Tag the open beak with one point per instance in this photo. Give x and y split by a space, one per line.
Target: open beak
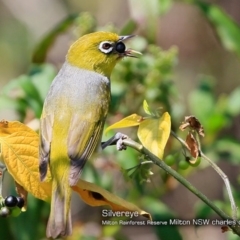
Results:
123 38
132 53
129 52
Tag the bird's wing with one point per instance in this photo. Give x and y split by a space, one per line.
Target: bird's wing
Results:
83 138
45 132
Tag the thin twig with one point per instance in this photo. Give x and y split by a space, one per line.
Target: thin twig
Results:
221 174
130 143
227 184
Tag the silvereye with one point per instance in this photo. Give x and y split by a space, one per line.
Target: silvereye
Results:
73 117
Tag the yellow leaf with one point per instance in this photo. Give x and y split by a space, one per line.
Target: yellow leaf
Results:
154 133
96 196
130 121
19 152
19 149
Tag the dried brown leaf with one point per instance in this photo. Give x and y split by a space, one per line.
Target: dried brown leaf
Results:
192 145
94 195
194 123
225 229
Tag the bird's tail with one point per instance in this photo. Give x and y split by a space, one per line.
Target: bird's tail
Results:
59 222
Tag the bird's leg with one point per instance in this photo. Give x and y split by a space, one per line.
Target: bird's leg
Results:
117 140
2 171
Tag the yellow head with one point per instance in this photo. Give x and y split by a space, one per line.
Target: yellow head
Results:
99 52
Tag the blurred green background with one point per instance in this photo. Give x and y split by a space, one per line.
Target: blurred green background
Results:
190 66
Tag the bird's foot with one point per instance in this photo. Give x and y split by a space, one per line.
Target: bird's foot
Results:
117 140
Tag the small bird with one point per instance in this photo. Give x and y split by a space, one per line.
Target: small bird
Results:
73 117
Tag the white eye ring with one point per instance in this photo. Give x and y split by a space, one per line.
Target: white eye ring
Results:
106 46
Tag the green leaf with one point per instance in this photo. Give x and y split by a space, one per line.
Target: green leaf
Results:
26 95
129 27
162 213
233 107
42 77
203 211
128 158
8 103
228 149
227 29
32 96
146 108
202 102
28 90
165 5
41 50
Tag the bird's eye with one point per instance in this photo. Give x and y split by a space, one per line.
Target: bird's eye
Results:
106 47
120 47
